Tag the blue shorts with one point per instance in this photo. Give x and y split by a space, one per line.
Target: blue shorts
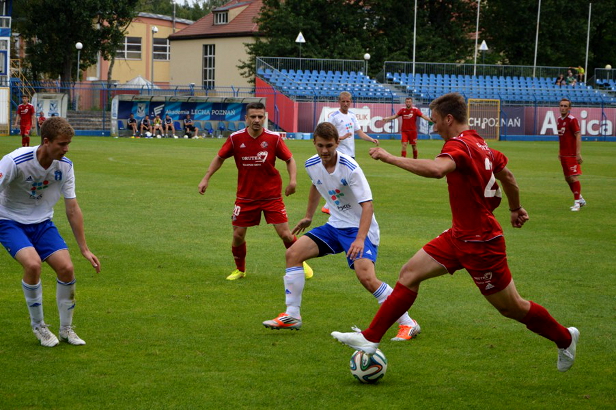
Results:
44 237
332 240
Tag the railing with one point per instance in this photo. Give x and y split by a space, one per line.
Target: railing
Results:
469 69
288 63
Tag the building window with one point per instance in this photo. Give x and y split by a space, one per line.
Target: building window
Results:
221 17
161 49
209 60
130 49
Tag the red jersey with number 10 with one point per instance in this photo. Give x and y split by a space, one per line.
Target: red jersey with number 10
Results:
409 118
473 191
26 112
255 158
567 127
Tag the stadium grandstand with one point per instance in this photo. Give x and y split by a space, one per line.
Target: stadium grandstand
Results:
307 79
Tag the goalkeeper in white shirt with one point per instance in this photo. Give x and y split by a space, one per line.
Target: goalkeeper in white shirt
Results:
32 180
351 228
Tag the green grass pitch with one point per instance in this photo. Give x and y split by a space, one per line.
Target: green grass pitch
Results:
165 330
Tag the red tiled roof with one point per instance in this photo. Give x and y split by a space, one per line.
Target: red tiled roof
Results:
242 25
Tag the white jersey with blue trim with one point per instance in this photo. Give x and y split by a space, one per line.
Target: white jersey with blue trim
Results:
344 190
28 192
345 123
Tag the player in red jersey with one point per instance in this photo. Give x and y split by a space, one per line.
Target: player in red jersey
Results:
409 125
25 119
570 151
475 242
259 184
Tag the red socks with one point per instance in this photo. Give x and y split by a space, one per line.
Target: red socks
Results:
576 188
288 244
539 320
403 154
400 300
239 254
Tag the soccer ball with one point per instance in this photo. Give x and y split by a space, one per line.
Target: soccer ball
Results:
368 369
609 66
148 134
186 136
158 136
175 136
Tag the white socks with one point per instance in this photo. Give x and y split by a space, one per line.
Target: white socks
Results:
382 293
65 298
294 281
34 300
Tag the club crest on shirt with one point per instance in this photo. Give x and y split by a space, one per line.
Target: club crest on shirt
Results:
57 175
264 144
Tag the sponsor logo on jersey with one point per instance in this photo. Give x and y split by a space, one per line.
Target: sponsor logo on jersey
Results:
1 175
319 182
242 146
29 179
38 186
260 157
344 182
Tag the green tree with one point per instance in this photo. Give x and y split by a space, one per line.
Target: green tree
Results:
562 32
51 29
384 28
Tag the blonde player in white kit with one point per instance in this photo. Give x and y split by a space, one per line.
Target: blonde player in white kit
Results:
346 123
352 228
32 180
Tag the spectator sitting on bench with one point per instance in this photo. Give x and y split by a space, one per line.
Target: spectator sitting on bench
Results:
157 125
189 128
132 124
169 126
145 125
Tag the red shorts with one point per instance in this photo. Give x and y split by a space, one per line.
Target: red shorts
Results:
25 129
486 262
570 166
410 137
248 213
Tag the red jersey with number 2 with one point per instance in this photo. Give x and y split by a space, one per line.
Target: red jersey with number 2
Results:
255 158
473 191
409 118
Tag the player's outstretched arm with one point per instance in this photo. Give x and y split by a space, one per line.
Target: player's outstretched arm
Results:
214 166
429 168
313 202
292 170
75 220
367 137
519 216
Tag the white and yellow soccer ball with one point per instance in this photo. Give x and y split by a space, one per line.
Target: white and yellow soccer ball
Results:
366 368
148 134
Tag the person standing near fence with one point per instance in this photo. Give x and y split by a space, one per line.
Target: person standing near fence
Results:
570 152
24 118
409 116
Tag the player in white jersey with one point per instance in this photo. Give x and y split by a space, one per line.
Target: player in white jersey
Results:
352 228
32 180
346 123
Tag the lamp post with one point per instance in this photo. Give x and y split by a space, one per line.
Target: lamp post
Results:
366 58
154 31
483 48
78 46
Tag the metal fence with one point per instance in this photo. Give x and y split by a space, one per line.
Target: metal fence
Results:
288 63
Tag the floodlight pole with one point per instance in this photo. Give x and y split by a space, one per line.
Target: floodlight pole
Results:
537 38
476 37
154 31
78 46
